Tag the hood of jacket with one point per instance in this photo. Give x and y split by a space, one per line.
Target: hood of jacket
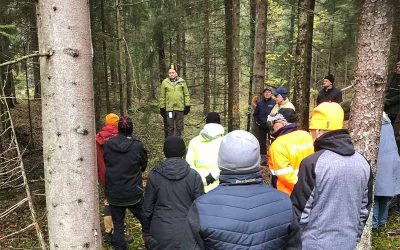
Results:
120 143
178 80
174 168
284 130
385 119
106 133
232 178
338 141
211 131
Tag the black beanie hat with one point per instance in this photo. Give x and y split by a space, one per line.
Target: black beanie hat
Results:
125 126
330 77
213 117
174 146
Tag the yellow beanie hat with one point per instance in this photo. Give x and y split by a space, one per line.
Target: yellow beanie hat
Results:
112 119
327 116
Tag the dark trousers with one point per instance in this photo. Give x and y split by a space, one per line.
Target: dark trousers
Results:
118 217
175 123
261 135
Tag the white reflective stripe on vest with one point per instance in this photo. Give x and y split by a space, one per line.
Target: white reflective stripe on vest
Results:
284 171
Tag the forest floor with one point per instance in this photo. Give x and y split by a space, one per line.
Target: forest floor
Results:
148 128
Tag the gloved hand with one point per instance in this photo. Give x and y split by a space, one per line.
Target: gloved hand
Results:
187 110
163 112
209 179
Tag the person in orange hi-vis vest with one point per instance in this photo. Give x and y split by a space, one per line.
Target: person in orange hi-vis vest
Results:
289 147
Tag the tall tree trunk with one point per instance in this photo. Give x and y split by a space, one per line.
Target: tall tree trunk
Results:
68 125
259 48
252 23
232 31
113 77
96 69
293 14
370 78
121 82
35 61
129 73
179 28
215 84
228 54
104 50
183 54
159 40
395 42
206 59
301 96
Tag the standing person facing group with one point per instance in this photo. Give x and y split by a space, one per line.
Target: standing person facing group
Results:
329 93
261 112
174 102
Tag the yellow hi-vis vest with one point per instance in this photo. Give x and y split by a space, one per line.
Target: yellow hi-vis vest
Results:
202 153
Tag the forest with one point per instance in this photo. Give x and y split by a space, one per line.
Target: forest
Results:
65 65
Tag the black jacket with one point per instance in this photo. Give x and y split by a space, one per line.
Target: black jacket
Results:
125 160
170 191
263 109
392 96
242 213
330 95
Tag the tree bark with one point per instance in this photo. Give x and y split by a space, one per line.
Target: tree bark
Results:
370 78
301 96
232 31
206 59
395 42
120 63
105 64
35 61
252 24
293 15
68 125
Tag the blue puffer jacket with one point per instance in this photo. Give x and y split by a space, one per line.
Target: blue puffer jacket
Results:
242 213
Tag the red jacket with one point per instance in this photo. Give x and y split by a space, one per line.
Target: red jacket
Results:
102 136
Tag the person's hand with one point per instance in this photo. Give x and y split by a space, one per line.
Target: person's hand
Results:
163 112
209 179
187 110
145 237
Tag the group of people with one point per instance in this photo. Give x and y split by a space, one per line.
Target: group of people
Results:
211 195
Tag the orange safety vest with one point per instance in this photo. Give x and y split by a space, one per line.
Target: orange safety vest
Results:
285 156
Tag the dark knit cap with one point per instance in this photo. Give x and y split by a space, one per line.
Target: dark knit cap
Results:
213 117
174 146
125 126
330 77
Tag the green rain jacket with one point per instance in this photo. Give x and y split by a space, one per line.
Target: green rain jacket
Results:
174 95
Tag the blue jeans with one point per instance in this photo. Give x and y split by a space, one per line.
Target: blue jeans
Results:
380 211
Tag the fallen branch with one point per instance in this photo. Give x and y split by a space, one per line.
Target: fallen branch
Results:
35 54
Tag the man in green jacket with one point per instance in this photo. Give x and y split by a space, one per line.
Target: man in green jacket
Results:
174 102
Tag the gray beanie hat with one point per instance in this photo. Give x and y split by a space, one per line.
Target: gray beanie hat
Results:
239 152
